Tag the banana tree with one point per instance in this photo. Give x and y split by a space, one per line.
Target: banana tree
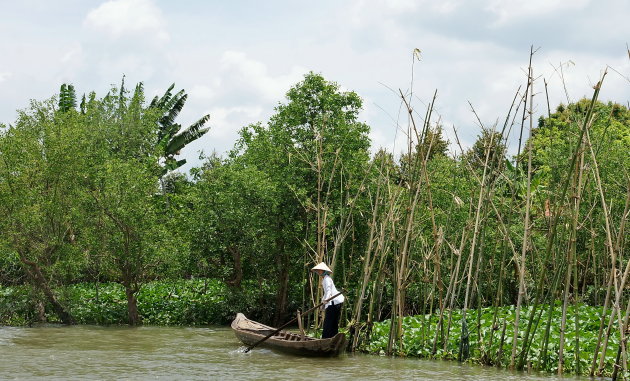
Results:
170 140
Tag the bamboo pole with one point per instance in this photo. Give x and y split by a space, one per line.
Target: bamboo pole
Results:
613 253
555 218
601 329
572 262
521 275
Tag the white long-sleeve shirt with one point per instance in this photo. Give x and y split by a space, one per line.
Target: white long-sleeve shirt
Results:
330 290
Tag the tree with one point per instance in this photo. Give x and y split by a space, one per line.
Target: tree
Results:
124 217
41 161
232 207
170 141
126 227
170 138
433 145
264 150
551 140
329 144
315 152
490 142
67 98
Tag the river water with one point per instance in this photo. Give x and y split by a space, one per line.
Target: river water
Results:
180 353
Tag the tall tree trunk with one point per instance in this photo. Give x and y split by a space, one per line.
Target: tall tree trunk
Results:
282 259
132 306
131 290
237 275
39 280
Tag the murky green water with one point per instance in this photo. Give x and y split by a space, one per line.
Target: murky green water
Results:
167 353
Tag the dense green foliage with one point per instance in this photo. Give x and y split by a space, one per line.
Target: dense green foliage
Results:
421 331
89 201
177 302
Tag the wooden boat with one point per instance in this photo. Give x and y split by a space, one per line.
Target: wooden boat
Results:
250 332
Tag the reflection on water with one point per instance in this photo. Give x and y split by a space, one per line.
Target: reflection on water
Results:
172 353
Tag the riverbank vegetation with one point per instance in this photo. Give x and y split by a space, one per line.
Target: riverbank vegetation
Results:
490 344
513 257
168 302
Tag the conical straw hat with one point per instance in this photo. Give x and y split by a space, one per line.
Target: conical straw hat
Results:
322 266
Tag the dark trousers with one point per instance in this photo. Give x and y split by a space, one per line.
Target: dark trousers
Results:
331 321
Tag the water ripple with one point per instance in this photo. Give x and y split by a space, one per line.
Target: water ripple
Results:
175 353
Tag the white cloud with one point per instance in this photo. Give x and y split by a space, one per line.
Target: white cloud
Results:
138 67
118 18
70 62
509 10
445 6
72 55
226 121
202 92
4 75
247 73
580 72
235 89
238 65
364 12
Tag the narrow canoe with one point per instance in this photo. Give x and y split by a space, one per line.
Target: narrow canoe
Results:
249 332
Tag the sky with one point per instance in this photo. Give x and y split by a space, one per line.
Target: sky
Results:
237 59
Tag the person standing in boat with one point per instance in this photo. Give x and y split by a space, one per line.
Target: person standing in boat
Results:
333 306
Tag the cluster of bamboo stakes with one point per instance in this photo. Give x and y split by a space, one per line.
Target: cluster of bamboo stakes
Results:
397 254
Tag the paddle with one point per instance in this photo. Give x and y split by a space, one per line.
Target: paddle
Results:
289 322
